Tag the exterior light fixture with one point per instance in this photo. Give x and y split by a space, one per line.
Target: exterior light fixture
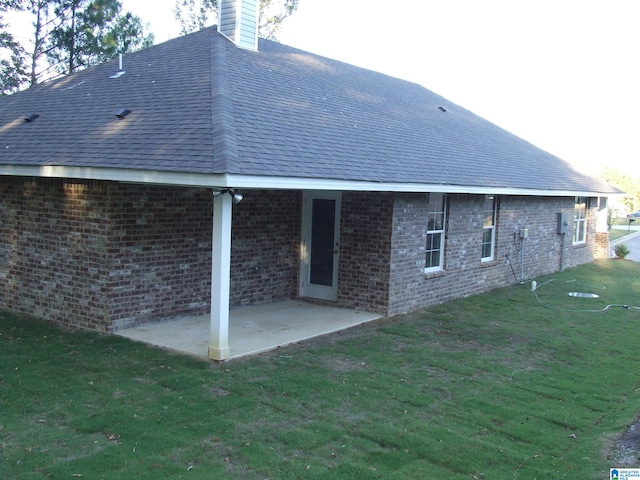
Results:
123 112
236 197
31 117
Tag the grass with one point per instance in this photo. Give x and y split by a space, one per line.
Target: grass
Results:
621 229
615 234
497 386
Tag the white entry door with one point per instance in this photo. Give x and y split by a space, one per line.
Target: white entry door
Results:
320 245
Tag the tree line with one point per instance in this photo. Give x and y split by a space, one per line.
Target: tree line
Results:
630 202
70 35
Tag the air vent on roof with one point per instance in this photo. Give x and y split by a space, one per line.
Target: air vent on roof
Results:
31 118
442 109
123 112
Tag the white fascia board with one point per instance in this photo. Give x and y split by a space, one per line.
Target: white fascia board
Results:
211 180
125 175
289 183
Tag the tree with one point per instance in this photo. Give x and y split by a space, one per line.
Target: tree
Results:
194 15
630 185
13 70
12 65
90 32
42 26
6 5
272 14
126 35
67 35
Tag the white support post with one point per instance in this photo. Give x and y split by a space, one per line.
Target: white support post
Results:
602 224
220 277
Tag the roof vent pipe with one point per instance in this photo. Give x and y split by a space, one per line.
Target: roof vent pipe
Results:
120 72
238 21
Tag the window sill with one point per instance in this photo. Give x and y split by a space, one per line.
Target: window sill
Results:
434 274
488 263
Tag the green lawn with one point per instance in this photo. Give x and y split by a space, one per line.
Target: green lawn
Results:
497 386
621 228
615 233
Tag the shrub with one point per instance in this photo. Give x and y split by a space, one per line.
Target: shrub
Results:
621 250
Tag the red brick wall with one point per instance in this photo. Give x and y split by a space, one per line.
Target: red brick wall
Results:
103 255
464 274
365 250
603 247
162 240
542 252
265 247
158 253
53 238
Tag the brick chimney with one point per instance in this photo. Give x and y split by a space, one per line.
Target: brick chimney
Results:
238 21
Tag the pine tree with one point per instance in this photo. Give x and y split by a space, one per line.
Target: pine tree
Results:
68 35
90 32
13 70
194 15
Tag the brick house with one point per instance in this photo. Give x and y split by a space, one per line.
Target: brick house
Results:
120 190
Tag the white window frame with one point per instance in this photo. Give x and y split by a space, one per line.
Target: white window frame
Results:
436 211
580 221
489 227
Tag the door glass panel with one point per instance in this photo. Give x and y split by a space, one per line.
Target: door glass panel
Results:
322 238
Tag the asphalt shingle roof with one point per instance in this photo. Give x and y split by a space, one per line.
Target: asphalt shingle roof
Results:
201 105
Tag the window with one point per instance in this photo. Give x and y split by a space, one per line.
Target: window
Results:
436 216
489 228
580 220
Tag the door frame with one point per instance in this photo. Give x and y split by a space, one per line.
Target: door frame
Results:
307 289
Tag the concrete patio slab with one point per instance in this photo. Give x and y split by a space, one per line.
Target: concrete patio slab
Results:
252 329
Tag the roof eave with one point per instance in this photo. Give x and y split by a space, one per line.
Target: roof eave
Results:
219 180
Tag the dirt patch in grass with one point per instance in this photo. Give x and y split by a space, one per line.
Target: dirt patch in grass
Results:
625 451
218 392
344 364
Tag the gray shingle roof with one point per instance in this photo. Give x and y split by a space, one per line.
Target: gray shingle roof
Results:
201 105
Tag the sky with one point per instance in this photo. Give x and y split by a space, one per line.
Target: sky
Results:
561 74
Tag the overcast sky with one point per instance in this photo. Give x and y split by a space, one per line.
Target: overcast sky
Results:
562 74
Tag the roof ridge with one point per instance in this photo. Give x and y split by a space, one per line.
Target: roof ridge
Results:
225 142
